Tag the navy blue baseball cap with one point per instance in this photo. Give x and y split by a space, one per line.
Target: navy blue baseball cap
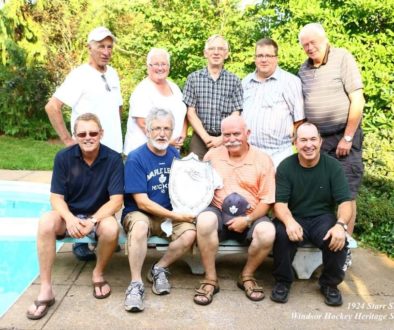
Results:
234 205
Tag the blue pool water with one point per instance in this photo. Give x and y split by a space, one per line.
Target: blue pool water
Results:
17 204
18 268
18 254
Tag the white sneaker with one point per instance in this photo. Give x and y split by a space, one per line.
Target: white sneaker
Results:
348 261
158 276
134 301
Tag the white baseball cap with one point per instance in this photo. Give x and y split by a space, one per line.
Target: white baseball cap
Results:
100 33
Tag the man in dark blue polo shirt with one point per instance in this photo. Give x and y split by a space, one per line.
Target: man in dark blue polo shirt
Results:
86 192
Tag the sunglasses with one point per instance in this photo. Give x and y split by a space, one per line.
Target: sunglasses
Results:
84 134
106 83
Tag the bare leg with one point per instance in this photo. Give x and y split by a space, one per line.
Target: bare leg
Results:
208 242
137 247
177 248
262 241
107 232
50 225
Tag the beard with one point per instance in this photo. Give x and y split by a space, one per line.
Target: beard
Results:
159 146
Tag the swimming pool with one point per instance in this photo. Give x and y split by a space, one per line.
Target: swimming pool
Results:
21 204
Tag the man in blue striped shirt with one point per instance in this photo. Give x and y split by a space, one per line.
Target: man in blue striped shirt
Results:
273 103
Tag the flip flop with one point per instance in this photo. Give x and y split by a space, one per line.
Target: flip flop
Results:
39 303
99 285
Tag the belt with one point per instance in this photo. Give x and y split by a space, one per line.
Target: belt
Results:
333 133
214 134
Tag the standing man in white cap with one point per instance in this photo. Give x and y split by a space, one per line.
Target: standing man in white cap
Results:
91 87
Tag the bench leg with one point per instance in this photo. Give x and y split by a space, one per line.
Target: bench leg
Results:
194 262
306 261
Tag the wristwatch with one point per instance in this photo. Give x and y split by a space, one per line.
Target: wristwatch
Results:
344 225
248 221
348 138
93 220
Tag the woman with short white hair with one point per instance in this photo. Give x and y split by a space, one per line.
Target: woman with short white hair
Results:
155 91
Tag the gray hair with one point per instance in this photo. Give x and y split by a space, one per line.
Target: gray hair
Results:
157 51
87 117
316 28
213 38
157 113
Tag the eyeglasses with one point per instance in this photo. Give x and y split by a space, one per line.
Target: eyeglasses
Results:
106 83
159 129
84 134
265 56
159 65
217 49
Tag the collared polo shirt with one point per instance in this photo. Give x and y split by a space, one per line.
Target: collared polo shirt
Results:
253 178
213 100
270 109
86 188
326 90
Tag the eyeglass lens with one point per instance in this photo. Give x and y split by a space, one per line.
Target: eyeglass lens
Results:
159 129
218 49
158 65
84 134
265 56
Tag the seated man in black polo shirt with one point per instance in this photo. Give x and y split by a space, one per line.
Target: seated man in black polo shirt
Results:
86 192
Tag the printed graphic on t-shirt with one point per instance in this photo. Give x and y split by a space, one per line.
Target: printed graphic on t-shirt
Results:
158 179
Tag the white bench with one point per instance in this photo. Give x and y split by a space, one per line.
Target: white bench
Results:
307 259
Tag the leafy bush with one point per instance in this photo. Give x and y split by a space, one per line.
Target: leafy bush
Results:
375 202
22 98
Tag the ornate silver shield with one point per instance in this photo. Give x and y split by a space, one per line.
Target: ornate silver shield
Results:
191 185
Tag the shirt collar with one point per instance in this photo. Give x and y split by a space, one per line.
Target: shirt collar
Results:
205 72
103 153
275 75
248 160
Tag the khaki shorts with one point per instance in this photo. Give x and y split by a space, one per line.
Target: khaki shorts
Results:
178 228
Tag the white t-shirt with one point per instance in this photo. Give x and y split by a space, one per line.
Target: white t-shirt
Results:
84 90
146 97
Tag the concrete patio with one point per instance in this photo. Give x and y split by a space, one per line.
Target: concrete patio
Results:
368 293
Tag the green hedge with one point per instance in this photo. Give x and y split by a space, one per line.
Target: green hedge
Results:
375 203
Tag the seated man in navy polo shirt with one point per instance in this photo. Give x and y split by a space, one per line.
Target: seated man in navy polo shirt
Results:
86 192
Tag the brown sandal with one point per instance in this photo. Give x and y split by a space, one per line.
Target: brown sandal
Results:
38 303
202 292
250 290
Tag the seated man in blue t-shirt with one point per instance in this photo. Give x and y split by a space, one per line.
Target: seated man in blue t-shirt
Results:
147 206
86 192
309 186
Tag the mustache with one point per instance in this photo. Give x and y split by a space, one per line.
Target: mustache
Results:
232 144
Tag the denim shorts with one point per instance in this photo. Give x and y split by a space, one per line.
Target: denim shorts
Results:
92 235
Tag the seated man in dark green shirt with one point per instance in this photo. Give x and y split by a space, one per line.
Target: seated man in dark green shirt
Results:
309 186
